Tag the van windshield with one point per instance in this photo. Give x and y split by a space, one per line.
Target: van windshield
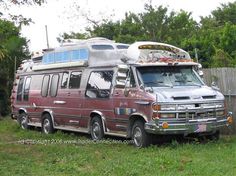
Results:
168 76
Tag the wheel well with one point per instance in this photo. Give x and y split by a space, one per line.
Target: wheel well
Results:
45 112
92 115
132 119
21 111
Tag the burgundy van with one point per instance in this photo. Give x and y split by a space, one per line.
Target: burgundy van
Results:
100 87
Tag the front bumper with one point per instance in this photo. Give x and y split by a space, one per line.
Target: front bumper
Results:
187 126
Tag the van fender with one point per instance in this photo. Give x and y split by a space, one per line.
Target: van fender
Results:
49 111
102 118
132 118
139 115
22 109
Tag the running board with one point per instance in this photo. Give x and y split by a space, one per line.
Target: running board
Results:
81 130
37 124
116 134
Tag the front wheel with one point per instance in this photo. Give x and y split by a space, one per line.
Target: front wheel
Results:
139 136
215 136
47 125
97 132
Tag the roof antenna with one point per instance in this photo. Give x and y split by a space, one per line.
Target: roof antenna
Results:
46 30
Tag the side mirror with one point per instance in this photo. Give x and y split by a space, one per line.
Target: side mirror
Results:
121 76
200 72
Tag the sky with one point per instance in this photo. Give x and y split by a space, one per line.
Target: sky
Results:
69 15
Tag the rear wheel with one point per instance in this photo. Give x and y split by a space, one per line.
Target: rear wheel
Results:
97 132
139 136
23 121
215 136
47 125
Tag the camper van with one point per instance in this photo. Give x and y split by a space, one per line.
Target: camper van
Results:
140 91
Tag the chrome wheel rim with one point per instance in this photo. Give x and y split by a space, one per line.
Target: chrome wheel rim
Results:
46 126
96 130
137 136
23 122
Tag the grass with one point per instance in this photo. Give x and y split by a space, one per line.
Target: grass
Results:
32 153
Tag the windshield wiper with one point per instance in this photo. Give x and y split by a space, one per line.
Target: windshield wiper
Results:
158 84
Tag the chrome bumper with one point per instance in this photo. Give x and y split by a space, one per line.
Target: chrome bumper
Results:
186 126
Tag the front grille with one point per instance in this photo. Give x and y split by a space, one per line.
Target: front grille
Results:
200 115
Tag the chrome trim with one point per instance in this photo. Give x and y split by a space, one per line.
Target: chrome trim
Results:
36 124
59 102
185 126
23 109
73 121
117 133
81 130
142 102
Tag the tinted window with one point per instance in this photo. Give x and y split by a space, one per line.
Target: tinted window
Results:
54 85
26 88
75 78
36 82
102 47
19 89
64 80
99 84
44 90
122 46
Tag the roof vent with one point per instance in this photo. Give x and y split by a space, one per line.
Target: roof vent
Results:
181 98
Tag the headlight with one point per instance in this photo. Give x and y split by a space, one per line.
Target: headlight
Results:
167 107
212 105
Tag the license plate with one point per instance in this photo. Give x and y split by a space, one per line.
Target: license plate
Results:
201 128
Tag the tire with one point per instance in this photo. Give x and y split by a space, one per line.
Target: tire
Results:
23 121
214 137
97 132
47 125
139 136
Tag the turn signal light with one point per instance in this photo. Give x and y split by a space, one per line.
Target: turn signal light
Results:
165 125
156 107
230 119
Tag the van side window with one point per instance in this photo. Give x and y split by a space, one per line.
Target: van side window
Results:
99 84
54 85
64 80
19 89
45 84
26 89
75 78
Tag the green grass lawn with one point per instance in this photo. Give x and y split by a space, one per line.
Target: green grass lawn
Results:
33 153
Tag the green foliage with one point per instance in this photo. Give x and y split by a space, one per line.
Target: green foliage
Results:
33 153
12 46
213 36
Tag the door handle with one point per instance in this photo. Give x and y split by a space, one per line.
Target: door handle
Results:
59 102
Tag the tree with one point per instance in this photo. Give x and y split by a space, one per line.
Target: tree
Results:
225 13
221 59
12 46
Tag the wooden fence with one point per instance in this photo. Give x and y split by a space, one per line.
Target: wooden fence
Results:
225 79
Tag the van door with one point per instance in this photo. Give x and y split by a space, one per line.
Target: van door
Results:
124 102
98 96
68 100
